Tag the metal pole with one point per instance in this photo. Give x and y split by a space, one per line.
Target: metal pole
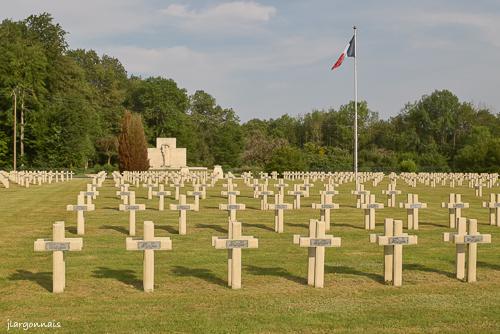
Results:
15 127
355 109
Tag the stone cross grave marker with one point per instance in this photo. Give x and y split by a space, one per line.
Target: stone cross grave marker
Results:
182 207
306 186
161 193
80 207
264 193
234 243
124 193
393 241
370 206
150 185
391 193
454 206
132 207
325 206
196 193
494 206
279 208
297 193
316 243
91 193
58 245
412 206
466 242
281 185
149 244
177 185
360 193
231 207
479 189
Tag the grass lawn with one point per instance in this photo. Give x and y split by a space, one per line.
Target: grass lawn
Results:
104 281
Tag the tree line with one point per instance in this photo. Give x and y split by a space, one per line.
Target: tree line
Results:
73 104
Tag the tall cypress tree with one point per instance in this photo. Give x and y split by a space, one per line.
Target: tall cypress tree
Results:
132 150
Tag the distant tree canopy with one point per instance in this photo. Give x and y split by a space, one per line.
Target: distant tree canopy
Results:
71 103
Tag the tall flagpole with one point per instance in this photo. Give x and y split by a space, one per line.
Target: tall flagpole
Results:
355 110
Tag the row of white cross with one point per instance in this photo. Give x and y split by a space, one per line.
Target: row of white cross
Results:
393 238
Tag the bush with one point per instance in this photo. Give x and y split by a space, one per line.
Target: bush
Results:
408 166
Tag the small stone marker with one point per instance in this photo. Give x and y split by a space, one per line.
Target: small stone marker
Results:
58 245
316 243
80 207
132 207
494 206
393 241
297 193
466 242
306 186
149 244
369 206
234 243
124 193
325 206
161 193
278 208
150 187
182 207
412 207
177 185
455 207
391 193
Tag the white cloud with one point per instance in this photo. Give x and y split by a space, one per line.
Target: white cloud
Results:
235 15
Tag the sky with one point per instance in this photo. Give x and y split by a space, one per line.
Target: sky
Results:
269 58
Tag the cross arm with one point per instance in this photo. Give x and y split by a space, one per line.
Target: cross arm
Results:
69 244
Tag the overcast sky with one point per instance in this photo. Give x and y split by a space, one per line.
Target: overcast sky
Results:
268 58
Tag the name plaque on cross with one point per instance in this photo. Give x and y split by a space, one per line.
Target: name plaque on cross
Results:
233 207
124 193
266 193
236 244
331 192
297 192
80 208
233 193
280 206
472 239
183 207
133 207
162 193
327 206
373 206
89 193
392 192
143 245
320 242
398 240
415 206
496 205
459 206
197 193
56 246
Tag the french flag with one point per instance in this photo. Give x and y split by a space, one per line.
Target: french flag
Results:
349 51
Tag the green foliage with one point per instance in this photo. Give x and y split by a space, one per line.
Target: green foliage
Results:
70 104
408 166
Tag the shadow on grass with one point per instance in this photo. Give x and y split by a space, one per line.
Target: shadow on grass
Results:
71 229
420 267
348 225
261 226
275 271
214 227
201 273
120 229
211 207
432 224
125 276
253 208
44 279
488 265
167 228
351 271
114 208
297 225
